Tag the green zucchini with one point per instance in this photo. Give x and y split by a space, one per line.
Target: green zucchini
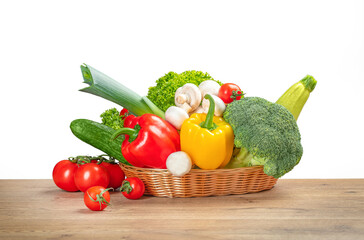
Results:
296 96
98 136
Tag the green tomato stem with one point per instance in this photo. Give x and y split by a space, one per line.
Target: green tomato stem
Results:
126 187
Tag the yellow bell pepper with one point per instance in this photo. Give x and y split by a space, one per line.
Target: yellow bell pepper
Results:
207 139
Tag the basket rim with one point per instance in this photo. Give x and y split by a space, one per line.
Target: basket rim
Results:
195 170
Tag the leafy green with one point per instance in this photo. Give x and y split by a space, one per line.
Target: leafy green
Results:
162 95
112 118
266 133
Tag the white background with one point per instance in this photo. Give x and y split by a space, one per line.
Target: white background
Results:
263 46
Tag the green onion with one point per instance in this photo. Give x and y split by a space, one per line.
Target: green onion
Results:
103 86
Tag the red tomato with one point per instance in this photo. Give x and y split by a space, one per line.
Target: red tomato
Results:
63 175
89 175
116 175
96 198
229 92
133 188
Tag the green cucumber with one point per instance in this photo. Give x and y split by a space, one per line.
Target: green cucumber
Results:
98 136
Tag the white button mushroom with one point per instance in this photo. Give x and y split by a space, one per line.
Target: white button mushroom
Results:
179 163
209 86
176 116
188 97
219 105
198 110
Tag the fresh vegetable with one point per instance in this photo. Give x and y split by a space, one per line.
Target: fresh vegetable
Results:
266 133
176 116
188 97
296 96
162 95
128 120
179 163
127 117
112 118
89 175
63 175
97 198
230 92
219 106
106 87
149 141
198 110
133 188
207 139
98 135
124 113
116 174
209 87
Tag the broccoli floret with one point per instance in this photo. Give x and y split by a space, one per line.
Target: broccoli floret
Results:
266 133
112 118
162 95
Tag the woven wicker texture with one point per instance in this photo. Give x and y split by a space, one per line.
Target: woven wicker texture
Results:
202 183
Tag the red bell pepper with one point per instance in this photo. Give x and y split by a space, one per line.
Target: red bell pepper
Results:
128 120
127 117
149 141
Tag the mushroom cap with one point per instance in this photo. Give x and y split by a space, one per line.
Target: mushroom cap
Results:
176 116
219 105
198 110
188 97
179 163
209 86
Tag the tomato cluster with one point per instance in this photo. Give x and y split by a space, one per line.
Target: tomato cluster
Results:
83 172
95 178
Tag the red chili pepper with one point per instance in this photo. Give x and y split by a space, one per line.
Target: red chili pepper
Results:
149 141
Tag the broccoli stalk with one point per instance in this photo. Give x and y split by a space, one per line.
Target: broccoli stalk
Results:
240 158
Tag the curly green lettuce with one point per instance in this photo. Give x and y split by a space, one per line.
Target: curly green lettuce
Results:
112 118
162 95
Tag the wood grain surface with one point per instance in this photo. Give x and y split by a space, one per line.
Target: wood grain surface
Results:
293 209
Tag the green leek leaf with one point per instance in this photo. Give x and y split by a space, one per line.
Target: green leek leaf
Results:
103 86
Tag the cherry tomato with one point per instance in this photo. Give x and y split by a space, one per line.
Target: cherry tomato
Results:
63 175
133 188
229 92
89 175
116 175
96 198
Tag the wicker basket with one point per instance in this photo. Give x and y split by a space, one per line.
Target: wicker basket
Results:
202 183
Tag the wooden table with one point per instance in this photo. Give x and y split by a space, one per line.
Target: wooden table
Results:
293 209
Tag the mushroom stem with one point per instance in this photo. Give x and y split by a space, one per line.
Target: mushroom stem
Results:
181 99
186 107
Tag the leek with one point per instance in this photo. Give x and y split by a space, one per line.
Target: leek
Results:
103 86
